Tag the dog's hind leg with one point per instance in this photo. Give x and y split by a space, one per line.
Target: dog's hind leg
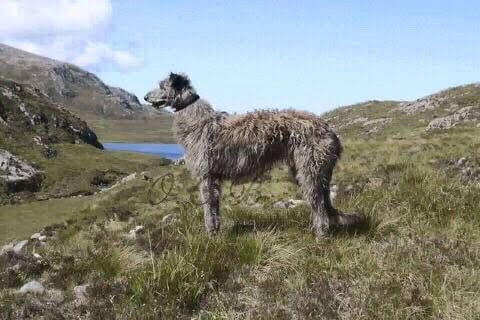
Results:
210 192
313 193
336 217
312 185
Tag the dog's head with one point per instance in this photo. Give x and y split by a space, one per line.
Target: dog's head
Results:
174 91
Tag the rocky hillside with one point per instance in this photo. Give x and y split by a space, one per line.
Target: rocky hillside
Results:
454 107
30 121
29 118
82 91
106 109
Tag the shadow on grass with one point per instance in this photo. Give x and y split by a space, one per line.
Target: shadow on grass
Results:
365 227
249 221
291 219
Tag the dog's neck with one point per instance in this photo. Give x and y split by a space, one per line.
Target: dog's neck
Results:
190 122
184 100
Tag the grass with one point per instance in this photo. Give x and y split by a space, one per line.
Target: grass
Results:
417 258
23 220
82 170
157 130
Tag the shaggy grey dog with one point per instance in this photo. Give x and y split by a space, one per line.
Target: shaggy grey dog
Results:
218 147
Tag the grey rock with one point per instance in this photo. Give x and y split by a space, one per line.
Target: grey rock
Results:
420 105
18 248
80 293
6 248
34 287
35 236
450 121
18 174
287 204
125 99
135 232
169 218
461 161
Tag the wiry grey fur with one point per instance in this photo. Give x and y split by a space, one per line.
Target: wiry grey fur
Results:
219 146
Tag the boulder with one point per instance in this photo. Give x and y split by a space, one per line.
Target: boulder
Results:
35 236
18 248
80 293
135 232
34 287
18 174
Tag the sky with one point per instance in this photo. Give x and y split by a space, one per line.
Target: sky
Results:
245 55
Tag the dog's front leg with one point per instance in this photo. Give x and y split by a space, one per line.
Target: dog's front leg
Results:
210 192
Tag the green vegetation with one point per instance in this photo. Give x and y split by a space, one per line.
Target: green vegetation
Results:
158 130
418 257
22 220
81 169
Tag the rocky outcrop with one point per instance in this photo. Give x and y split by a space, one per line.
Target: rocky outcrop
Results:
17 174
29 116
450 121
126 99
420 105
68 85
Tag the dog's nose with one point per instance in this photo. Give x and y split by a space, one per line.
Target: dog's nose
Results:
147 96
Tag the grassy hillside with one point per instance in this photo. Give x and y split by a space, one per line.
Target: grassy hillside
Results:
417 258
157 130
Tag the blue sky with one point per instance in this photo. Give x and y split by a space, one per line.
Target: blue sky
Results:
313 55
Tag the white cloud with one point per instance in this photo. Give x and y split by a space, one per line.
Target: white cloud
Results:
27 17
66 30
58 47
96 53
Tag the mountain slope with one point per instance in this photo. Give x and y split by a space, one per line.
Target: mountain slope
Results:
86 95
29 118
454 107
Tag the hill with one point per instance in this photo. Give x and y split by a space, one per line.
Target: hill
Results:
48 152
139 250
454 107
112 112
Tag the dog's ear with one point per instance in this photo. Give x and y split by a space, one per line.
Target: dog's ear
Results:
179 81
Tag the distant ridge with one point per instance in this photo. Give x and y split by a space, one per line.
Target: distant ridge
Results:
84 94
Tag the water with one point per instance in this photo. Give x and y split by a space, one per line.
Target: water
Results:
169 151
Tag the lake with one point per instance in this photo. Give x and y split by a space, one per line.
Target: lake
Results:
169 151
